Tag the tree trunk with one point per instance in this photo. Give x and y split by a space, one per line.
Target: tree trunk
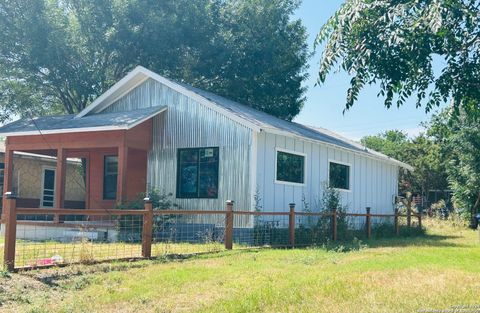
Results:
474 211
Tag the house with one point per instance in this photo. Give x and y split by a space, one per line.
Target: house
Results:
148 131
33 180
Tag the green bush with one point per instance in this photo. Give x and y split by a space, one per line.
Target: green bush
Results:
130 226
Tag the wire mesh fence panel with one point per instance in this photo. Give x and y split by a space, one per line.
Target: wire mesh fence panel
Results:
383 227
351 226
180 233
266 230
313 229
81 239
62 236
406 230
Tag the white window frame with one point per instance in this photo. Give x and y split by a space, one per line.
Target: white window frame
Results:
281 182
349 174
52 168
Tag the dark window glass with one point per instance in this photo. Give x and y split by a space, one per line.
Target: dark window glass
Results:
339 176
48 188
110 172
290 167
2 173
197 175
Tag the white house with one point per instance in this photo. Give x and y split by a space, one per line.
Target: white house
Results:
205 149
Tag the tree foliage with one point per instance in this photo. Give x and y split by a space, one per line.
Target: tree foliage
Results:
395 43
57 56
459 138
422 152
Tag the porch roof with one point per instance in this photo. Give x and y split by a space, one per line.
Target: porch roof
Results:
68 123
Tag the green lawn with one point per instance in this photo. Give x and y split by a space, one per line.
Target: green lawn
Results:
437 271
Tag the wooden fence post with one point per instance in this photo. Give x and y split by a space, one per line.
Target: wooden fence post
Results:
420 220
229 226
369 223
10 211
397 227
147 230
409 210
291 225
334 224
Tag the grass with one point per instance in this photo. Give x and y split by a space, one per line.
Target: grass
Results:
435 271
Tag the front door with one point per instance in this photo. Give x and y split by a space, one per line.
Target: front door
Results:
48 188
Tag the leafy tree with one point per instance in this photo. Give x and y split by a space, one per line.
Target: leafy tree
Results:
460 141
57 56
422 152
395 43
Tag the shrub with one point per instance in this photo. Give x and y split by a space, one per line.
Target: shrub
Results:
130 226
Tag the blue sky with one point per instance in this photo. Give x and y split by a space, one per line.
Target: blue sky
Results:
324 106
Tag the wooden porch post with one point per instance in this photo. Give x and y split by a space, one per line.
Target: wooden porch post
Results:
8 175
122 173
10 208
60 182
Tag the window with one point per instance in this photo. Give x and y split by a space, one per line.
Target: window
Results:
197 175
339 176
110 172
290 167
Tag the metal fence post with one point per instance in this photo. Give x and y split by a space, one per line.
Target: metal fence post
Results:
147 230
397 228
10 211
291 225
369 223
334 224
229 225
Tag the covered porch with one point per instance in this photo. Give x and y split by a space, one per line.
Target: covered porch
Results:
113 151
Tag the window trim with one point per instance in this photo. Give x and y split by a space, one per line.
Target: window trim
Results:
349 174
105 156
177 183
281 182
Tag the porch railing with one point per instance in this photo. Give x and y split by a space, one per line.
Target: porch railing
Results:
99 235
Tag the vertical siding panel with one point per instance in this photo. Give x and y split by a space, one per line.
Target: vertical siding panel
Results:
288 190
323 164
187 123
357 192
308 189
261 148
315 174
279 199
269 168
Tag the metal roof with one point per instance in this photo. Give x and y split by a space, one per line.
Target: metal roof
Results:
273 124
91 118
68 123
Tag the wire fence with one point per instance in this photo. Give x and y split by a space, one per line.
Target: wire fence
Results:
31 238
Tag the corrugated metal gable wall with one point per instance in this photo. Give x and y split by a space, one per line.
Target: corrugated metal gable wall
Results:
187 123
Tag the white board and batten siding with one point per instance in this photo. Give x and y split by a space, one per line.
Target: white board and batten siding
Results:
373 183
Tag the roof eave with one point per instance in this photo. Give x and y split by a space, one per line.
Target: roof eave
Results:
290 134
64 131
142 74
